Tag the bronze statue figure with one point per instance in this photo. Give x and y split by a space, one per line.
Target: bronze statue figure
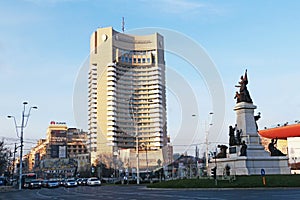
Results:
222 153
243 95
238 137
273 150
243 151
231 136
234 139
256 118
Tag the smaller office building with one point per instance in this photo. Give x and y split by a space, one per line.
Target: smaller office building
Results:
63 152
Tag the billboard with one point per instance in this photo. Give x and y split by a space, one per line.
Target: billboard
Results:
58 151
36 159
54 151
62 152
58 137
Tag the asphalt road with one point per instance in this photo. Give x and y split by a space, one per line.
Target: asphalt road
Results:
133 192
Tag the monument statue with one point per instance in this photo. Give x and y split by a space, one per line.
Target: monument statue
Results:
243 95
223 149
234 139
238 136
273 150
231 136
243 151
256 118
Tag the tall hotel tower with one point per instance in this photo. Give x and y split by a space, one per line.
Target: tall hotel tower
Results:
127 98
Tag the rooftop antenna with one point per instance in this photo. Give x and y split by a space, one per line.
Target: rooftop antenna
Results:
123 24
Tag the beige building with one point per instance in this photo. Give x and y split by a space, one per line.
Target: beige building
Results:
63 150
127 96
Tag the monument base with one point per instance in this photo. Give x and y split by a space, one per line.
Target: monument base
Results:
246 127
257 157
252 165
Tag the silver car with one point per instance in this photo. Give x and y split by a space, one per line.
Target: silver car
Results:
52 184
93 181
70 183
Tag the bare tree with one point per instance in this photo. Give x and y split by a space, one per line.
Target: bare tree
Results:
5 155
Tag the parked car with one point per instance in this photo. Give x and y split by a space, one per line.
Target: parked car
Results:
35 183
93 181
2 180
61 182
45 183
70 183
81 181
52 184
84 181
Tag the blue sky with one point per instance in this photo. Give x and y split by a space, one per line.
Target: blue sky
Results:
43 44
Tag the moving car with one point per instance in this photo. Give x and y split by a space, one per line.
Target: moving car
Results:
93 181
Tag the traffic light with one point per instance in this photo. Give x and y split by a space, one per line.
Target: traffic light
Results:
214 172
93 168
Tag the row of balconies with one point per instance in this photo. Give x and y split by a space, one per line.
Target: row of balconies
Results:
137 81
132 88
133 74
92 75
92 108
111 83
111 69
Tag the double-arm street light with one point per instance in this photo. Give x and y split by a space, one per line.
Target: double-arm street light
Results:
207 126
134 112
22 126
207 133
136 125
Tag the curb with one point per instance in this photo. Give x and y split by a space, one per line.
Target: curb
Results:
7 188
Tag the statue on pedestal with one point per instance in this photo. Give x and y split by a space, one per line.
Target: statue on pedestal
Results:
231 136
243 151
223 151
256 118
273 150
243 95
234 139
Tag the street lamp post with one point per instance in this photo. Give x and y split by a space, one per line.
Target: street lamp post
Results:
206 137
137 155
135 120
206 142
23 125
145 147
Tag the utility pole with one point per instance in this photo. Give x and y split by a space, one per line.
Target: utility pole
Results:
14 159
23 125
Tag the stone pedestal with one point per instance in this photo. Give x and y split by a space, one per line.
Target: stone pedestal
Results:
257 158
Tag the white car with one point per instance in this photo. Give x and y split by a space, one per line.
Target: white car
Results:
52 184
93 181
70 183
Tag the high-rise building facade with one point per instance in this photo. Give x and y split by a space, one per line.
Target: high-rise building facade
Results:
127 95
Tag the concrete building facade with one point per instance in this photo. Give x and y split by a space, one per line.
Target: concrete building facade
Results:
127 96
63 152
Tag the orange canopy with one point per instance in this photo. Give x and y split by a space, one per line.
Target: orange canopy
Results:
281 132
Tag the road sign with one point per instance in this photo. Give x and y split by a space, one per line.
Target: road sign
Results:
262 172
